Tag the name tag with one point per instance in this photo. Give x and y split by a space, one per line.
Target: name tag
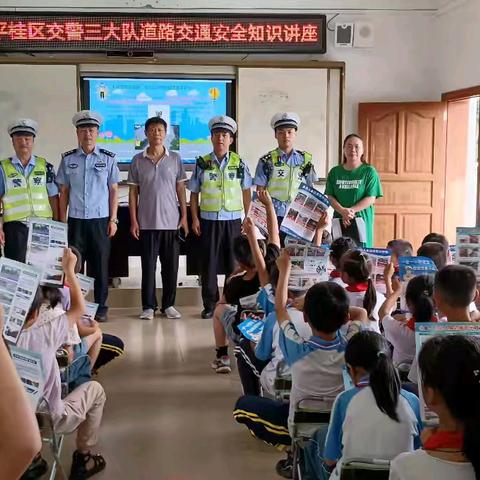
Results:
100 165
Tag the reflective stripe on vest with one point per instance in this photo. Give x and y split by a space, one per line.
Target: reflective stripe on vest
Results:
221 190
25 197
285 180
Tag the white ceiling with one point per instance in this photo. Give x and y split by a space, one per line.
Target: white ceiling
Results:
251 6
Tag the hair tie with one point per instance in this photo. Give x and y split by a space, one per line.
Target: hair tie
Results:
381 353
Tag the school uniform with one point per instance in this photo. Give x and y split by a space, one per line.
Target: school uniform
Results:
88 178
356 294
402 336
419 465
316 366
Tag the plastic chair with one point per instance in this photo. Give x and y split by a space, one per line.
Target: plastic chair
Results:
365 469
306 421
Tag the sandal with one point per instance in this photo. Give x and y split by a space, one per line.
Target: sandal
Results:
37 469
80 461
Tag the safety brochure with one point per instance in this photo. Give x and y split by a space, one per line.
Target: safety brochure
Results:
424 331
18 286
304 213
380 258
90 311
468 248
258 214
252 329
46 242
410 267
86 283
29 368
309 265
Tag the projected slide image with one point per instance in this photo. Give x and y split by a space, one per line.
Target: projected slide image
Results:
186 106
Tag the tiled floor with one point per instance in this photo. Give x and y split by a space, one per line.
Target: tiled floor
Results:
168 415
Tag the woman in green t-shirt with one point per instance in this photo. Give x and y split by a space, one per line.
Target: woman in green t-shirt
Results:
352 189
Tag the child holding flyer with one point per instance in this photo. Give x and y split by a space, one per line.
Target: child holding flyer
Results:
450 367
45 332
356 268
399 330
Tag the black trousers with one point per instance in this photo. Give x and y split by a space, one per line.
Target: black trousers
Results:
90 237
112 347
163 244
249 367
217 255
283 235
16 237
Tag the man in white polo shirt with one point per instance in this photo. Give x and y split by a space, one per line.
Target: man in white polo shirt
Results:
157 189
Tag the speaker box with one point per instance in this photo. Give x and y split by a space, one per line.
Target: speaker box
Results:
364 35
344 34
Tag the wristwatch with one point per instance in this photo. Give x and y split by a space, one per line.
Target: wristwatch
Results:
114 220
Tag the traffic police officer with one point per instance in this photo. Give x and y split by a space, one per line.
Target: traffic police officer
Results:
88 179
282 170
223 181
27 189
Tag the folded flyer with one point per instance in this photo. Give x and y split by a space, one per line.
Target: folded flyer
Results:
47 240
380 258
29 368
252 329
304 212
309 266
258 214
468 248
410 267
18 287
425 331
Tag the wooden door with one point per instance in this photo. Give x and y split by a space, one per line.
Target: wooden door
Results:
406 143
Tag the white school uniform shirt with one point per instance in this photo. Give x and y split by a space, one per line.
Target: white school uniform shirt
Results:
401 337
316 366
359 429
356 300
419 465
269 347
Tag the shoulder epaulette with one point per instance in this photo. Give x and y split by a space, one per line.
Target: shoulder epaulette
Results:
106 152
69 152
266 157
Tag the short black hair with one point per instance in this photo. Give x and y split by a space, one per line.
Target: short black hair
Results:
155 121
242 251
340 246
436 237
400 247
326 306
456 284
436 251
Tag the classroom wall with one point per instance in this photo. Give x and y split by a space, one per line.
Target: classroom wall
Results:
457 49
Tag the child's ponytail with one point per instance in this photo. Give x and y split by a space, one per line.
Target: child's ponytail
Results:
418 296
370 351
370 298
450 365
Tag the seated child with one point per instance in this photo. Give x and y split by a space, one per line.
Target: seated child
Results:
436 251
45 331
338 247
316 363
238 291
455 288
356 268
399 330
450 367
375 419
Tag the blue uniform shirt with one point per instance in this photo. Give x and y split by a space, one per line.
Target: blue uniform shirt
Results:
52 188
293 160
195 184
88 177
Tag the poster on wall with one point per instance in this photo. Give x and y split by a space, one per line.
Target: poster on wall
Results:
186 105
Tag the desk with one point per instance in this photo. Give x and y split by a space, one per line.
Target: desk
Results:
124 246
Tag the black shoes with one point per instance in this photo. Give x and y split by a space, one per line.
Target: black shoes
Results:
207 313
